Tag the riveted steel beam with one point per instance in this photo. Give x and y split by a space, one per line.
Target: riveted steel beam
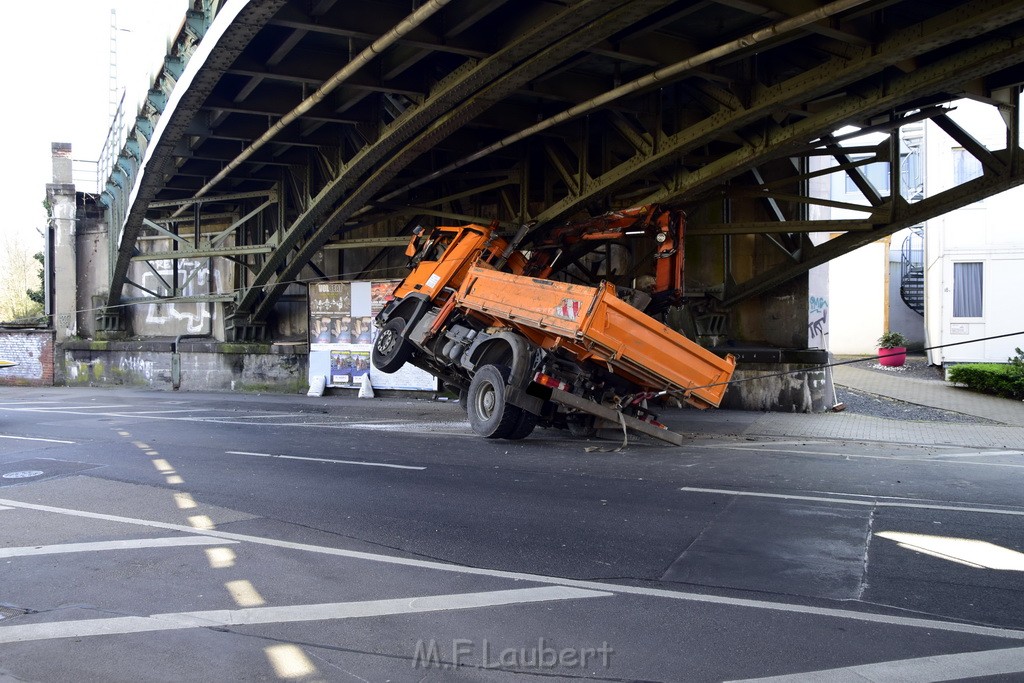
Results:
969 20
465 94
203 252
173 124
906 215
886 92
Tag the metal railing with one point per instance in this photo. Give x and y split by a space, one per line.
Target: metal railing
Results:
912 270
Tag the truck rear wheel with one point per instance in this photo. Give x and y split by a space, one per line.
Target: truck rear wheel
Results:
525 426
490 415
391 350
581 425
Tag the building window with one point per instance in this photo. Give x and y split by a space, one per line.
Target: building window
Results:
967 290
876 173
965 166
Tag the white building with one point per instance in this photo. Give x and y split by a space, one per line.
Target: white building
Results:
974 256
972 259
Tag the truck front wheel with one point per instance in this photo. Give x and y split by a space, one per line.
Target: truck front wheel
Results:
490 415
391 350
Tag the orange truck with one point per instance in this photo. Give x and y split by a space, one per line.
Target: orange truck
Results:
524 349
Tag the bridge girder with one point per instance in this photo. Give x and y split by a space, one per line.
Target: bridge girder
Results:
450 123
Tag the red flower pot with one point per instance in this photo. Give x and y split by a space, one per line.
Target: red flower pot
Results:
894 357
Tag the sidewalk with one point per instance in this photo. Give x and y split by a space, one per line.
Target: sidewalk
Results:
854 427
926 392
932 393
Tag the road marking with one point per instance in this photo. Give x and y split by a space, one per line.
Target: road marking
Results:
244 593
926 460
920 670
202 522
34 438
337 462
289 661
184 501
220 558
829 612
759 444
81 628
88 407
967 551
165 412
25 403
874 502
979 454
310 423
132 544
3 507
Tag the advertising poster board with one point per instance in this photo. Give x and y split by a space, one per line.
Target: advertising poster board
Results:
341 336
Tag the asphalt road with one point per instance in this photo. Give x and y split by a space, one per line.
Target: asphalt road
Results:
158 536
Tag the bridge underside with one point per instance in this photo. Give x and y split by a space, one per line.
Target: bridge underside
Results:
301 149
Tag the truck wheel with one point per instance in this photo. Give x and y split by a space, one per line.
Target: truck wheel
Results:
490 415
581 425
527 423
390 351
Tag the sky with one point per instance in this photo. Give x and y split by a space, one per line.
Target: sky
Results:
56 85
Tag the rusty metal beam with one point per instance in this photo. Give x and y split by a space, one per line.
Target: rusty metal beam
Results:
465 94
966 21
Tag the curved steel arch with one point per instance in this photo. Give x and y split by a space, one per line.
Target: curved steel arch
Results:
580 25
231 31
705 126
967 21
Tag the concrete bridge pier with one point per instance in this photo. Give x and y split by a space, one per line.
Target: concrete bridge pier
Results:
61 240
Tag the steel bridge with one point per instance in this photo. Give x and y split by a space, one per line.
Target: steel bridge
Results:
296 140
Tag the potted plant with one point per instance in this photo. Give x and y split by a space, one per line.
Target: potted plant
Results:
892 349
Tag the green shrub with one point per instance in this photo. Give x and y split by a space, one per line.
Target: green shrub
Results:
1017 364
893 340
991 378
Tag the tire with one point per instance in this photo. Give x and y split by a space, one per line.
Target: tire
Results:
490 415
581 425
391 350
524 427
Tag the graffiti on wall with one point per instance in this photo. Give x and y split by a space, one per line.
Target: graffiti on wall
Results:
25 350
817 322
191 318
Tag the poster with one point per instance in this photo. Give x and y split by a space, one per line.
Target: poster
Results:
341 336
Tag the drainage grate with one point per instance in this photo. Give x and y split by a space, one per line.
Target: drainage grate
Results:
8 612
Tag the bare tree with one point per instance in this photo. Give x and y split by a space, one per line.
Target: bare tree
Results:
19 273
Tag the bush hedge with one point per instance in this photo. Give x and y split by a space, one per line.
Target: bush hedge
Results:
992 378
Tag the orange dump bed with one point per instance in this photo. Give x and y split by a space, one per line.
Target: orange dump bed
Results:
594 324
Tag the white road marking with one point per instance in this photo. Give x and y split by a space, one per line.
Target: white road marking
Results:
165 412
460 428
875 502
311 422
25 403
81 628
63 408
919 670
925 460
3 507
34 438
760 444
132 544
829 612
337 462
979 454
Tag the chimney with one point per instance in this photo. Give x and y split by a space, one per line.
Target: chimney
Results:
61 154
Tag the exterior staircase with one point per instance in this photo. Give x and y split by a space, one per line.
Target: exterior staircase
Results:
912 270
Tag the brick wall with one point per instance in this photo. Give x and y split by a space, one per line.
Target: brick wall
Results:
32 350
